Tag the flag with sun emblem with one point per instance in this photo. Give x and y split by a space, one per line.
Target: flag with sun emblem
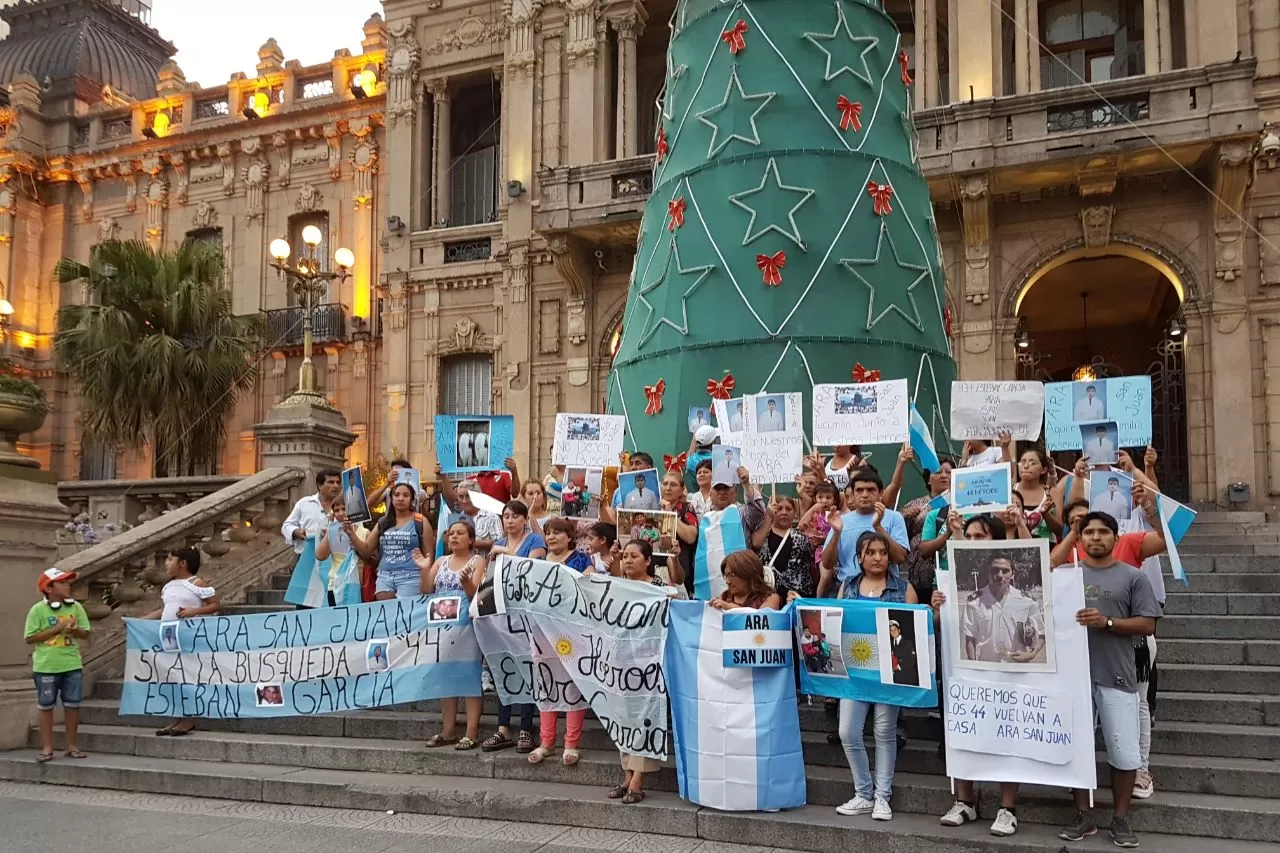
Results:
871 651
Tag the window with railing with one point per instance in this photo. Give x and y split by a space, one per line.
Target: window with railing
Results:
474 139
328 324
466 384
320 87
1090 41
297 224
212 108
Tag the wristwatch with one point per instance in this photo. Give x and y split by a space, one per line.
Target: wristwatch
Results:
1111 623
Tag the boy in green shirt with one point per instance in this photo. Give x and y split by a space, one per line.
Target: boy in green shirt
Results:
55 626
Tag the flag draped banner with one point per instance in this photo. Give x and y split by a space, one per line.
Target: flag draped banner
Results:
737 737
300 663
720 533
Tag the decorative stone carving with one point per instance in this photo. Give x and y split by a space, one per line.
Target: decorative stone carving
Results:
256 176
1233 173
284 151
977 335
569 258
580 38
206 216
1095 222
577 326
178 162
157 202
396 310
975 202
333 136
85 181
397 396
309 199
578 371
518 272
125 170
108 230
8 210
470 33
364 159
403 56
228 169
465 331
359 359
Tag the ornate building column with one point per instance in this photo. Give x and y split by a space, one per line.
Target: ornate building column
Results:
442 150
1026 47
926 88
975 61
404 141
628 27
583 112
978 353
604 90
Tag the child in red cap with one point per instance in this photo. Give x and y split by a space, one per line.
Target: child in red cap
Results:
55 626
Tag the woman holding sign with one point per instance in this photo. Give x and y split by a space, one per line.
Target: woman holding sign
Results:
875 582
397 535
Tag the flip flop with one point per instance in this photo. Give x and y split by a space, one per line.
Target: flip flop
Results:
44 757
75 753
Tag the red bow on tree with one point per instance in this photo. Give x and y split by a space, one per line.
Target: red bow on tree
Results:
771 266
676 210
736 37
946 318
721 389
653 393
850 113
881 193
861 374
903 59
676 463
662 146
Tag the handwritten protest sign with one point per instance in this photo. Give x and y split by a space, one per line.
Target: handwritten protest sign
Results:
1125 400
861 413
589 441
1000 719
609 633
773 437
302 662
983 409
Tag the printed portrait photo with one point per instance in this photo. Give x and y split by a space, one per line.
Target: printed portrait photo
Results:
584 429
269 695
1100 442
353 496
818 633
580 493
902 638
725 461
1005 605
771 413
444 609
734 408
472 447
1111 492
1089 400
699 416
169 636
658 528
856 400
377 654
639 489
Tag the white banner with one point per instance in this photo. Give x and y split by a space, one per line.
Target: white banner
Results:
773 437
860 413
1000 719
588 441
983 409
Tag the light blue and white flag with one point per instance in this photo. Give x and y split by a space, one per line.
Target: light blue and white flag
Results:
922 441
737 734
1175 520
870 651
720 533
757 638
346 583
303 662
442 527
309 583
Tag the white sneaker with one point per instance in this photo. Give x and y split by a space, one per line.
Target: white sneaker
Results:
858 805
960 814
1006 823
882 810
1144 786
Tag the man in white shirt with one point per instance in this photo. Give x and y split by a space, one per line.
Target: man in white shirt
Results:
1113 502
1100 450
699 420
1000 623
1091 408
771 420
735 418
641 498
311 514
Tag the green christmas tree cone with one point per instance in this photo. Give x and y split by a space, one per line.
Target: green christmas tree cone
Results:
790 234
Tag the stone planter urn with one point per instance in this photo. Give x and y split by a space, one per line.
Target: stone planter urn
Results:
156 576
96 610
19 415
127 592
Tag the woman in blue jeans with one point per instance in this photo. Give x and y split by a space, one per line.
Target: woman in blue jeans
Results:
395 537
877 581
521 540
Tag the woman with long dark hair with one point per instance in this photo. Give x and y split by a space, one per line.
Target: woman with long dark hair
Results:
745 585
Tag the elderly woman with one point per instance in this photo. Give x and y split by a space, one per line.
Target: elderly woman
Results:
787 551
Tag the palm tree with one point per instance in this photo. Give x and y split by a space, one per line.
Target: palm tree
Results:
157 354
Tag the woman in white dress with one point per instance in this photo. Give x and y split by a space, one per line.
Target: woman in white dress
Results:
185 596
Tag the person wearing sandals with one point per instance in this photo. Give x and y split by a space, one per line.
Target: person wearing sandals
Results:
184 596
637 566
559 533
460 570
518 540
394 539
55 626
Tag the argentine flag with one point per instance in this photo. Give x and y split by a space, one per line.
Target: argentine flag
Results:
1175 520
309 582
720 533
346 584
737 731
922 441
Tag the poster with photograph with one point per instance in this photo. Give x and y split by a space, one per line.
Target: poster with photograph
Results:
444 608
1122 400
725 461
1099 442
411 477
169 636
699 416
353 497
983 409
982 488
905 650
1111 492
773 437
588 441
860 413
730 419
818 630
639 490
656 527
1005 605
580 493
467 444
268 696
377 656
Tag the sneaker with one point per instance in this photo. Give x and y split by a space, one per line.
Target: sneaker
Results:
1144 786
1121 834
960 814
882 810
1006 823
858 805
1080 828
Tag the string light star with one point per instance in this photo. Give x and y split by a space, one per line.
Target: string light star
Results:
842 26
921 272
698 274
735 83
801 194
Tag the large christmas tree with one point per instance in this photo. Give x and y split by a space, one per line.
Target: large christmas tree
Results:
790 235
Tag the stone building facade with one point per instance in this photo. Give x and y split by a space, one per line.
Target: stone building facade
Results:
1106 175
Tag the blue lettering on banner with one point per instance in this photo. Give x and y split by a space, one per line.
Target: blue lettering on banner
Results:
1126 399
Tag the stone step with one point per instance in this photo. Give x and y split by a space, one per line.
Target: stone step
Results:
1220 628
265 596
1213 515
1203 563
1230 604
1262 549
575 796
1237 709
1213 653
1231 582
1198 678
1229 540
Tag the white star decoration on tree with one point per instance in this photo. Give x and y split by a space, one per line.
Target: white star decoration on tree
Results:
922 273
842 25
770 210
650 327
718 143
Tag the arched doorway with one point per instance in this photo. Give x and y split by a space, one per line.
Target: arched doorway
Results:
1091 315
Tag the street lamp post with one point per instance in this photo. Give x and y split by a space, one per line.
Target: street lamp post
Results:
309 281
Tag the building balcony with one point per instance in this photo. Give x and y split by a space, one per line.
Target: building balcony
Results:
284 325
600 202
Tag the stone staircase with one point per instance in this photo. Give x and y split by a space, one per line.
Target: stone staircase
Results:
1215 754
